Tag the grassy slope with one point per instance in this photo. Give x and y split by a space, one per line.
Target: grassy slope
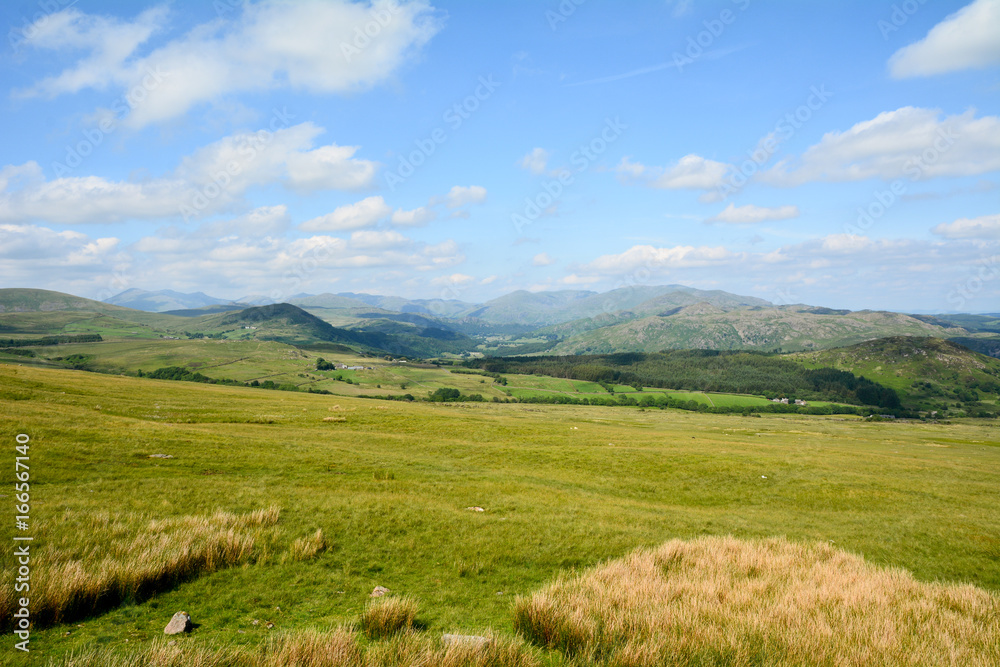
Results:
919 496
698 327
906 363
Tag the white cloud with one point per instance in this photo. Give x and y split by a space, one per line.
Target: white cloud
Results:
691 172
969 38
413 218
453 279
92 199
650 257
284 155
751 214
535 161
461 195
110 43
542 259
365 213
275 44
910 142
329 168
573 279
370 239
488 279
19 174
983 227
214 178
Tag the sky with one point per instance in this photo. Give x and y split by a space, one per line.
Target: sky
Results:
837 153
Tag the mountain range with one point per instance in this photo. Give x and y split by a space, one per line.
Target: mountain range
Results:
636 319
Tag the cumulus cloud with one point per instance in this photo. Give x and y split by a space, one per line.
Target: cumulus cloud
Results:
647 256
966 39
414 217
310 45
983 227
910 142
212 179
365 213
535 161
750 214
461 195
453 279
691 172
542 259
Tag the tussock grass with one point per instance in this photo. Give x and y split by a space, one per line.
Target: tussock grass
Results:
307 548
135 557
309 648
724 601
387 616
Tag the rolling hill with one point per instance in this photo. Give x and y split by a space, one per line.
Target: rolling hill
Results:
707 326
929 373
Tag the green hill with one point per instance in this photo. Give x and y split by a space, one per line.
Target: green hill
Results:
928 373
788 328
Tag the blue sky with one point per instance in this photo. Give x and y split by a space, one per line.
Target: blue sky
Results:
844 154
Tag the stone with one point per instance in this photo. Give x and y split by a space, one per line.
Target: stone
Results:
473 640
475 509
161 456
379 592
180 622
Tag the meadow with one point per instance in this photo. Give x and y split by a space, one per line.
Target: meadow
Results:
372 493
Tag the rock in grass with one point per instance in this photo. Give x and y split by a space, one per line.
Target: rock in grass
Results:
161 456
472 640
180 622
379 592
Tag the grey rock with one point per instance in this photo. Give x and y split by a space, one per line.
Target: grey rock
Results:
180 622
379 592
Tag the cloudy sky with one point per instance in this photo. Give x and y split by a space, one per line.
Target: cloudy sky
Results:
841 153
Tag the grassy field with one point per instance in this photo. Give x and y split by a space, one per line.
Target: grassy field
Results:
390 484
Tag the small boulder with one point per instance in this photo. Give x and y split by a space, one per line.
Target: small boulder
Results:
475 509
180 622
379 592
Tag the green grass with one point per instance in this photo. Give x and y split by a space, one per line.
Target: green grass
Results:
389 486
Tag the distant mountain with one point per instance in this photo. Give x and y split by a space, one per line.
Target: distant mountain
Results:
17 300
327 300
434 307
264 300
706 326
591 309
928 373
163 300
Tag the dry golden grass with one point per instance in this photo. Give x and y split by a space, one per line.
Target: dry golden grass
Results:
135 557
307 548
387 616
309 648
724 601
